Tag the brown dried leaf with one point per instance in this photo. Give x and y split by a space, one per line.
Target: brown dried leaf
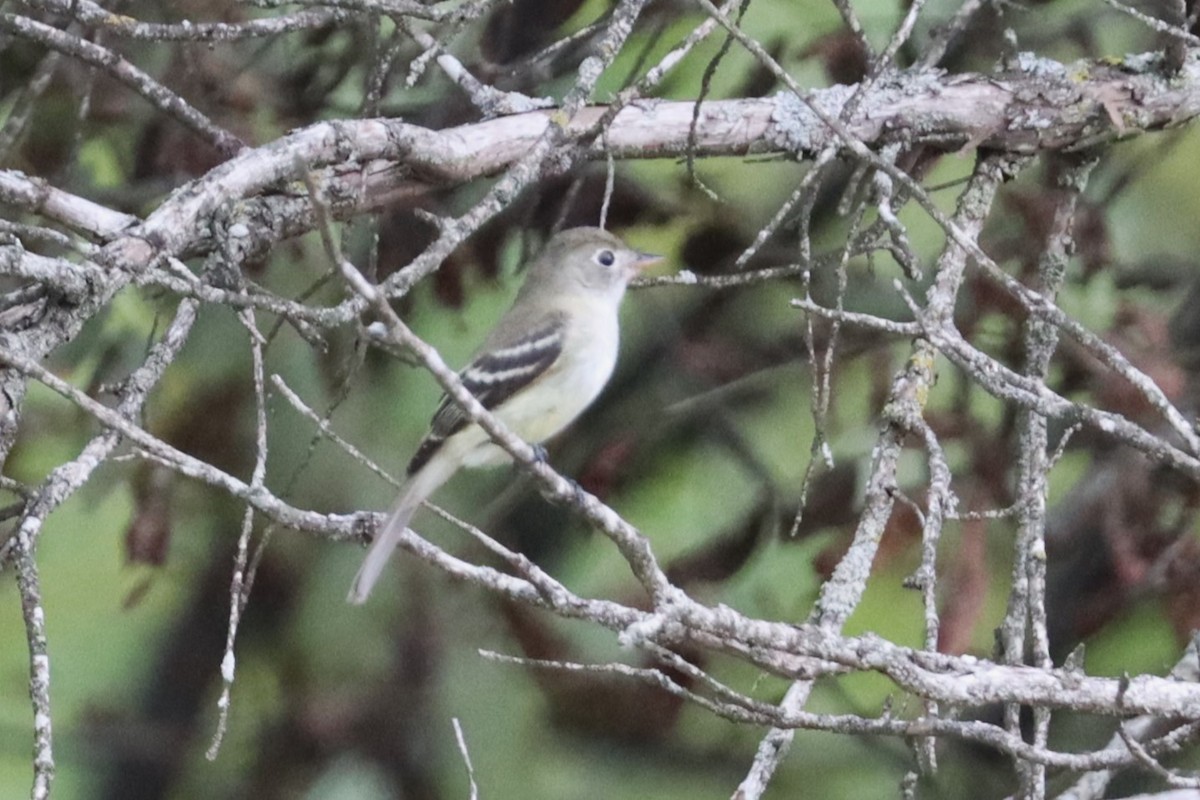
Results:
964 590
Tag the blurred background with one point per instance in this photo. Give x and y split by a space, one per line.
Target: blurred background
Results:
702 439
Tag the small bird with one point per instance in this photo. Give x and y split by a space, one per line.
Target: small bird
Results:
544 363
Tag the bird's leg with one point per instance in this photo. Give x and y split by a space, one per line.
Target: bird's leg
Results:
539 454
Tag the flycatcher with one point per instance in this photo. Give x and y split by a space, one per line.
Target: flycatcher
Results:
544 363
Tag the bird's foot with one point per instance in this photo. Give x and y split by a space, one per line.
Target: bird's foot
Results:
575 495
571 495
579 495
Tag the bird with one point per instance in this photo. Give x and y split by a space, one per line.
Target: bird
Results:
545 361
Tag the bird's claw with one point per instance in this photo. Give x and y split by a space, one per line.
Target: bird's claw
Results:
572 495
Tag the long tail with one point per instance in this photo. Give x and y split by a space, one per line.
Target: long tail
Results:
424 483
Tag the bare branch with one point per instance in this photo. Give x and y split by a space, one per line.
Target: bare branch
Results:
158 95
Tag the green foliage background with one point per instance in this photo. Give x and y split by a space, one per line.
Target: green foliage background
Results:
309 663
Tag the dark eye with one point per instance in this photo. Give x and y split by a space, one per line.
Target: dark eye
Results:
605 258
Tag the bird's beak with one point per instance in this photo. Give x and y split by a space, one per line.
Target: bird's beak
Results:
646 260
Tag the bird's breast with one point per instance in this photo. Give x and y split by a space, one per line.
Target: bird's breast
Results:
570 384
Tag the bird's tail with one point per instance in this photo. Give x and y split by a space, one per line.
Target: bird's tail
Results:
422 484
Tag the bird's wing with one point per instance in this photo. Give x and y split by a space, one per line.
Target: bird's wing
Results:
494 375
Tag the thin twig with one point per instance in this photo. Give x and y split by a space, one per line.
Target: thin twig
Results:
466 757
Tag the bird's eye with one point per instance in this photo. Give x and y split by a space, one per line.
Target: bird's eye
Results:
605 258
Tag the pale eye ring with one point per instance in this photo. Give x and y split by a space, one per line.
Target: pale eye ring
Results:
605 258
